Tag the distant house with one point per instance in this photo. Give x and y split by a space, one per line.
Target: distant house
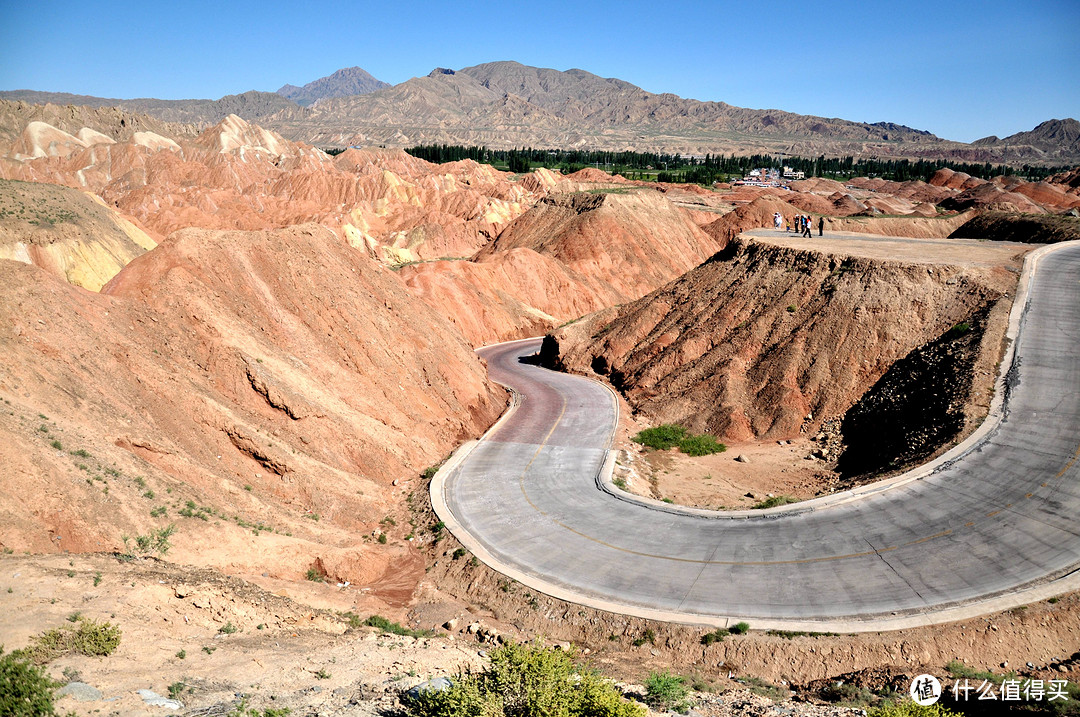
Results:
790 173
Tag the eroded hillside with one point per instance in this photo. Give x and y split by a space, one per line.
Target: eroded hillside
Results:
260 391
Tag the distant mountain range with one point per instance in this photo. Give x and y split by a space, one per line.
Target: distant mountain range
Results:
507 104
343 83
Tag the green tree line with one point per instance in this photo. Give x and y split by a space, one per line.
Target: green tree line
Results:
677 168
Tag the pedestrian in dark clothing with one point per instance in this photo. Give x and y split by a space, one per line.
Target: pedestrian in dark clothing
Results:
806 227
820 226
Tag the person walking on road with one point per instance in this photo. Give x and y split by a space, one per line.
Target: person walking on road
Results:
821 226
806 226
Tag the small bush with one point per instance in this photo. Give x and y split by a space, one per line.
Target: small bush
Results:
81 453
176 689
322 675
57 445
382 538
662 437
716 635
25 690
739 628
703 445
90 638
774 501
460 553
313 575
228 629
528 681
669 435
959 669
665 691
394 628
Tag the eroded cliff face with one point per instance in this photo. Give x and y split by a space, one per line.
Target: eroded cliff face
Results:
766 342
275 384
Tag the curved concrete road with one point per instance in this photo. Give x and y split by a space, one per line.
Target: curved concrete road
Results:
1000 518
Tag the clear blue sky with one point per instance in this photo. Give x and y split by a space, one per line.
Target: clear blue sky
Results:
961 70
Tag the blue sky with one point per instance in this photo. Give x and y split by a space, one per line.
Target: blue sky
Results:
962 70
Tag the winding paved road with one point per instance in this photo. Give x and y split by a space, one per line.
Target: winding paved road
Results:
1000 518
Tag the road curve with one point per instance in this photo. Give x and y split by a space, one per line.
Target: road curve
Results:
997 520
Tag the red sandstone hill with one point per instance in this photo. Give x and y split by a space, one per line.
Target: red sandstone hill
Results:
569 255
237 175
751 342
278 379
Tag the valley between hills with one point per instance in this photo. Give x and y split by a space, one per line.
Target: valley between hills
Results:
233 363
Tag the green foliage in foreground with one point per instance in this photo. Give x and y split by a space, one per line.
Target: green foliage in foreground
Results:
669 435
527 681
910 709
25 690
90 638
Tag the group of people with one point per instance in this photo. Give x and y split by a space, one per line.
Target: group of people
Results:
803 224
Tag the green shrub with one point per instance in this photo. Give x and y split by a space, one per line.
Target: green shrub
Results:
910 709
90 638
527 681
669 435
57 445
665 691
25 690
703 445
228 629
739 628
313 575
662 437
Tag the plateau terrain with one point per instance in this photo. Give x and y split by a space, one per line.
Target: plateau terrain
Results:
233 363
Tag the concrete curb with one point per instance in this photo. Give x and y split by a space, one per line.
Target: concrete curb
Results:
1042 590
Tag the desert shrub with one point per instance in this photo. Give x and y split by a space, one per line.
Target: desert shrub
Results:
665 691
774 501
716 635
739 628
380 622
766 689
25 690
527 681
86 637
